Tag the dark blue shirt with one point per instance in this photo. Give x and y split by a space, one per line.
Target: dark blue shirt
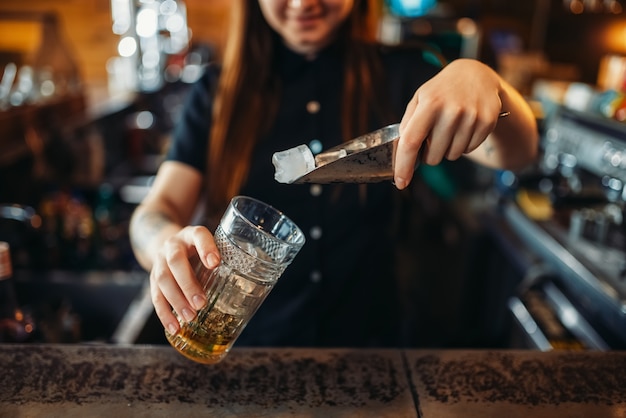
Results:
340 290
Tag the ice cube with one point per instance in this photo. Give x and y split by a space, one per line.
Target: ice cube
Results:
330 156
293 163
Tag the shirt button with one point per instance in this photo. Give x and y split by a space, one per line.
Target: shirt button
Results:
315 190
315 276
313 106
315 232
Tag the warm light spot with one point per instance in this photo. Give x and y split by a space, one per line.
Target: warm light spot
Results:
19 35
121 14
127 46
614 37
47 88
466 27
35 221
144 120
168 7
576 6
147 23
615 7
175 23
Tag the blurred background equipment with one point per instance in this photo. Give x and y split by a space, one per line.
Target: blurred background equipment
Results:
578 296
443 34
154 37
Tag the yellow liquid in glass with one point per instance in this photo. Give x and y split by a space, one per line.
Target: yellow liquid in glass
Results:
208 337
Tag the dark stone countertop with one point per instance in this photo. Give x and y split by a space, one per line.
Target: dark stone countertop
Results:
155 381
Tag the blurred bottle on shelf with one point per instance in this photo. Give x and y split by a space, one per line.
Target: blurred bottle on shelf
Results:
15 325
56 72
47 72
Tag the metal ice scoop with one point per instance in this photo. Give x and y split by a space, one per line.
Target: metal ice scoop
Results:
366 159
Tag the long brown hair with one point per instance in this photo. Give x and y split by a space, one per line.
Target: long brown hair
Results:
248 92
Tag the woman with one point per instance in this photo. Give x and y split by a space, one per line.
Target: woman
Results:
308 71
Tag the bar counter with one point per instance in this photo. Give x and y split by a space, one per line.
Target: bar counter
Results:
155 381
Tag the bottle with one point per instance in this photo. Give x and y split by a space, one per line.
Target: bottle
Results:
55 71
14 326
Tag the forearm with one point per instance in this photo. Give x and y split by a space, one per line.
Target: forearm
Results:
149 228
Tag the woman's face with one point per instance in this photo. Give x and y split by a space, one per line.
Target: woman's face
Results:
306 26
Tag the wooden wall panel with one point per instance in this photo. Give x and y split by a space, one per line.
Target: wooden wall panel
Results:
208 20
86 28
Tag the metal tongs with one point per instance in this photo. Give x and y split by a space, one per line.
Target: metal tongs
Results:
365 159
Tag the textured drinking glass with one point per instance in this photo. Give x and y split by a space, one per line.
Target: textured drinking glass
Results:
256 243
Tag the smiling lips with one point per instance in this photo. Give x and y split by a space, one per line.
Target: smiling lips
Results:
306 20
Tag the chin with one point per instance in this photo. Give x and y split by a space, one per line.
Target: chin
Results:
309 45
304 47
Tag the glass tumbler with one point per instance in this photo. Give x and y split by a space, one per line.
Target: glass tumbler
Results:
256 242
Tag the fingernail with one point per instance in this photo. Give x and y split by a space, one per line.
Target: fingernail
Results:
400 183
198 301
172 329
212 260
188 315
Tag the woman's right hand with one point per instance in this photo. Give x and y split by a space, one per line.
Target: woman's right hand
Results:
173 284
163 244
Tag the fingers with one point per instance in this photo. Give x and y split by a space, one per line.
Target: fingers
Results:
414 129
205 246
467 131
447 137
162 307
172 280
457 133
431 132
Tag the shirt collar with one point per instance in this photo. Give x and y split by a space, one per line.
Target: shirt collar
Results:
290 63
